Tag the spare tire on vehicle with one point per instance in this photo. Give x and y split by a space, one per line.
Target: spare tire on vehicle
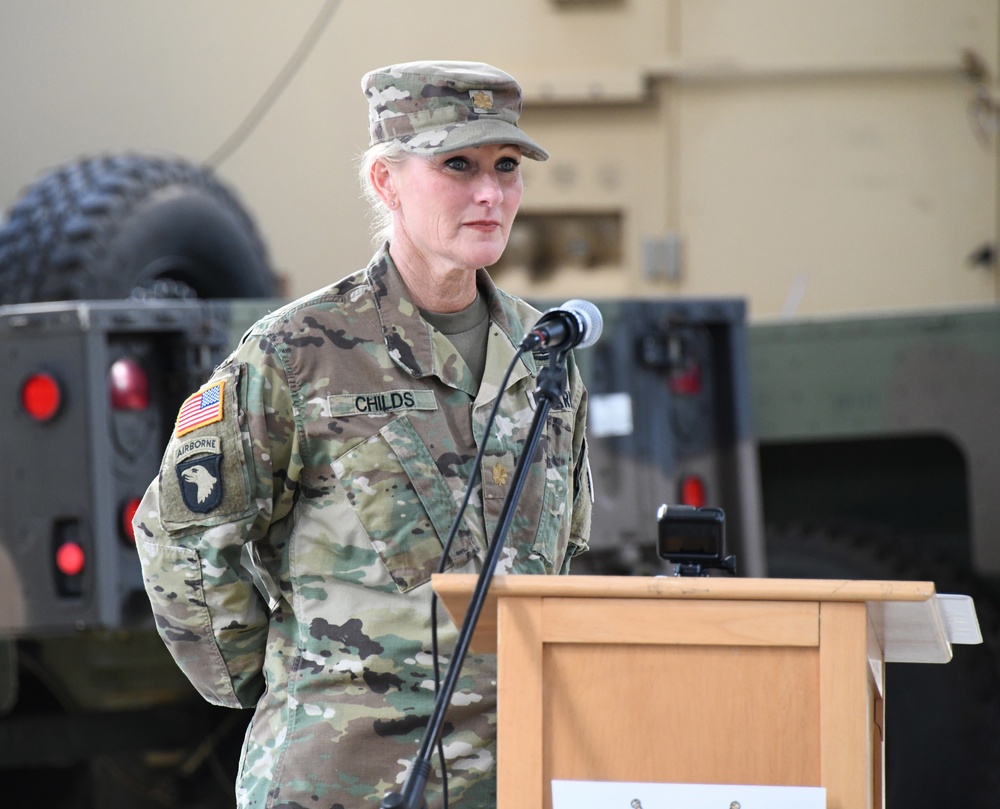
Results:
122 226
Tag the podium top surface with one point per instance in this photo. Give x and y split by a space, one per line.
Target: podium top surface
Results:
908 616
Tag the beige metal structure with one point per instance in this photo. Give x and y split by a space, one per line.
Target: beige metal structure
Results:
817 157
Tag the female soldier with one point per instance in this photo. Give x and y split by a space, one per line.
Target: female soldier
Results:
305 493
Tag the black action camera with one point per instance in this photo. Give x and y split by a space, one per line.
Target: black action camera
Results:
693 539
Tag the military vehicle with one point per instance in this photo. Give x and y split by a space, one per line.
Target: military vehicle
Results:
878 449
112 270
828 157
93 712
861 447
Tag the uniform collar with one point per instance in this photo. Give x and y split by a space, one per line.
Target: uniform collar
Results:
422 350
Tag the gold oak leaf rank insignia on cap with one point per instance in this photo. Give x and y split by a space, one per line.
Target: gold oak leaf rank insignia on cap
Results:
482 101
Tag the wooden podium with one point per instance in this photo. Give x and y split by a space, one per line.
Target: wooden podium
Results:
696 680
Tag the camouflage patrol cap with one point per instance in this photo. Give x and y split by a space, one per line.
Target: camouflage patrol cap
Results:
435 107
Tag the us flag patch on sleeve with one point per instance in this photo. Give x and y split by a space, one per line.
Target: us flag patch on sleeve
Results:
201 408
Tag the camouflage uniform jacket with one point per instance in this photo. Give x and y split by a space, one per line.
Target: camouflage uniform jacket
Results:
287 543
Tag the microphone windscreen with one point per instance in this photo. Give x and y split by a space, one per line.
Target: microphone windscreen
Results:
593 320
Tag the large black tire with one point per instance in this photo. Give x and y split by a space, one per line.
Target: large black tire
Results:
942 744
130 226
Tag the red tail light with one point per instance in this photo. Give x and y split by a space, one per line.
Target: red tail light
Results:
70 559
41 396
686 381
129 385
692 491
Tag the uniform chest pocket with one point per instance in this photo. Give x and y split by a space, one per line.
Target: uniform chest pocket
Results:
542 516
403 502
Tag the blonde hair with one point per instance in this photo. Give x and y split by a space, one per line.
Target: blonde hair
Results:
381 217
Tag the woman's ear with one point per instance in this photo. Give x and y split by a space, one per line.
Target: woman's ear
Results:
383 183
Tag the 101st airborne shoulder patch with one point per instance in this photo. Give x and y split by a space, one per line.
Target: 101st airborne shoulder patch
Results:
199 473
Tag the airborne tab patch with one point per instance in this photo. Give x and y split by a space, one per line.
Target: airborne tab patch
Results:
201 408
202 445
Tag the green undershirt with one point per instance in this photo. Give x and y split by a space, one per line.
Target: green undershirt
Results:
467 330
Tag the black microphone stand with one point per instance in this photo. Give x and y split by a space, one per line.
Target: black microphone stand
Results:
548 390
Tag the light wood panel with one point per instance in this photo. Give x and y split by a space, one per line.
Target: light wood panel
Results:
658 621
686 714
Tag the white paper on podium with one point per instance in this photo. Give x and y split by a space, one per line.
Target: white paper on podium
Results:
627 795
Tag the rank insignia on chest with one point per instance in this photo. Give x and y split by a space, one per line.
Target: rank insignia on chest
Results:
201 482
500 474
201 408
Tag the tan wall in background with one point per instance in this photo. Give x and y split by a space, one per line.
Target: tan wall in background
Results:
814 157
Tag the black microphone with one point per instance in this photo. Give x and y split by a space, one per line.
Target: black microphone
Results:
577 323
